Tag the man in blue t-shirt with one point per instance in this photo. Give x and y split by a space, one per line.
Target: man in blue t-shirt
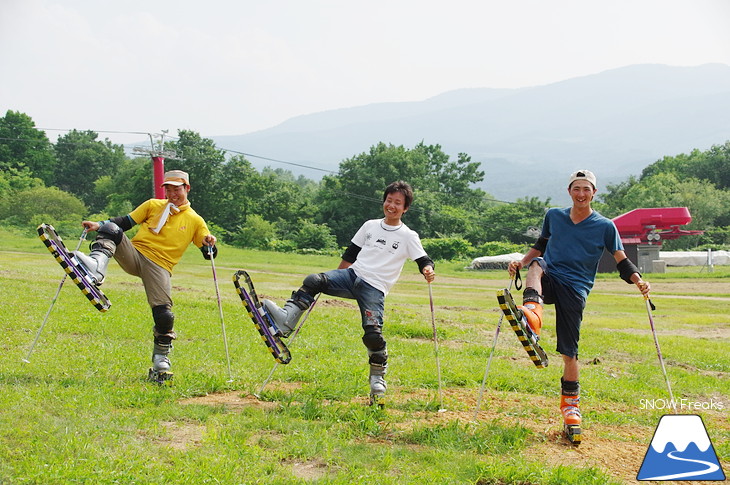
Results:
562 268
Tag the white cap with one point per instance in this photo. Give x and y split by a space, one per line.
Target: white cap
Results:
583 175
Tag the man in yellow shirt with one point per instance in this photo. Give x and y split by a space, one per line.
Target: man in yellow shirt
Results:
167 227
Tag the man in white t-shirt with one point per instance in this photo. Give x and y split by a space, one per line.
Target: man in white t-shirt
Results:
370 267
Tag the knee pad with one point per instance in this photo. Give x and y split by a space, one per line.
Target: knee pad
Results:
110 231
315 283
164 320
373 339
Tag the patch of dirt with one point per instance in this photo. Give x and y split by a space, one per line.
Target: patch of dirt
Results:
181 435
230 400
336 303
263 437
617 450
308 470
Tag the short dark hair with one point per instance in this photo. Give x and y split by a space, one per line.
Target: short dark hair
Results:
402 187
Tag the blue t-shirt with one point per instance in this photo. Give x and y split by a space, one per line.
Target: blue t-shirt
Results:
574 250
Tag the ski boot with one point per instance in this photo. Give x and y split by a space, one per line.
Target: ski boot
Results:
73 267
518 320
102 249
285 319
532 310
160 370
95 263
377 385
263 322
569 408
378 367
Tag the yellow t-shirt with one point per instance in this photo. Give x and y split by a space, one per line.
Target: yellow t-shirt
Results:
181 228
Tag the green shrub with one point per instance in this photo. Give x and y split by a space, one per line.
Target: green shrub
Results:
495 248
255 233
314 236
447 248
282 245
26 204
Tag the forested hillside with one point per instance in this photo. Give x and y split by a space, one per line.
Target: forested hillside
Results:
79 176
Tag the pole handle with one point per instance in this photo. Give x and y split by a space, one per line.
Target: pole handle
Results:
649 302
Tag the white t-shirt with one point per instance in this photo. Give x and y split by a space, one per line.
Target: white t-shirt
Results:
384 252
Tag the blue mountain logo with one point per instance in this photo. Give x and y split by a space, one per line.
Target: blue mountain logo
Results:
680 450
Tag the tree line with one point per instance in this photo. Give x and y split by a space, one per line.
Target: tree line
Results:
83 177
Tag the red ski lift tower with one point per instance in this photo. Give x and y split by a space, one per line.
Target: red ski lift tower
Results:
642 232
158 155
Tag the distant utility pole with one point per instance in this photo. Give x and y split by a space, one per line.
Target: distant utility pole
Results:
158 155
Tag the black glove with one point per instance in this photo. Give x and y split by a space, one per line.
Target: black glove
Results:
206 250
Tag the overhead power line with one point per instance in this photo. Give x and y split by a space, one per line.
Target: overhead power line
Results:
227 150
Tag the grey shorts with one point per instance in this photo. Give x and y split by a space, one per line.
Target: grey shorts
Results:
155 278
569 307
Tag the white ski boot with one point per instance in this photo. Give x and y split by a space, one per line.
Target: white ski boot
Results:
95 263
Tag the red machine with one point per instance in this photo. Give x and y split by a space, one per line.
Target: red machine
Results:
651 226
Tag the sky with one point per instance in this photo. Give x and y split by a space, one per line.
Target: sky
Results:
238 66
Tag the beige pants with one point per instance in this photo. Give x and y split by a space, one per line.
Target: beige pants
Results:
156 279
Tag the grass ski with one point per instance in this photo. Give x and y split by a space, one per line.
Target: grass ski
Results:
527 338
573 433
159 377
261 320
78 274
378 400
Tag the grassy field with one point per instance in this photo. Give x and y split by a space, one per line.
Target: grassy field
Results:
82 411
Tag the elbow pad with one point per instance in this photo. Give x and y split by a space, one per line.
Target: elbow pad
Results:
124 222
424 261
625 269
350 254
207 252
540 244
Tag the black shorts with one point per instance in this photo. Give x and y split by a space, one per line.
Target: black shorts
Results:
569 307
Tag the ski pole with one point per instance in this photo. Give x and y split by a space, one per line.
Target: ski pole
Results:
649 307
220 312
291 341
436 347
53 302
489 361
